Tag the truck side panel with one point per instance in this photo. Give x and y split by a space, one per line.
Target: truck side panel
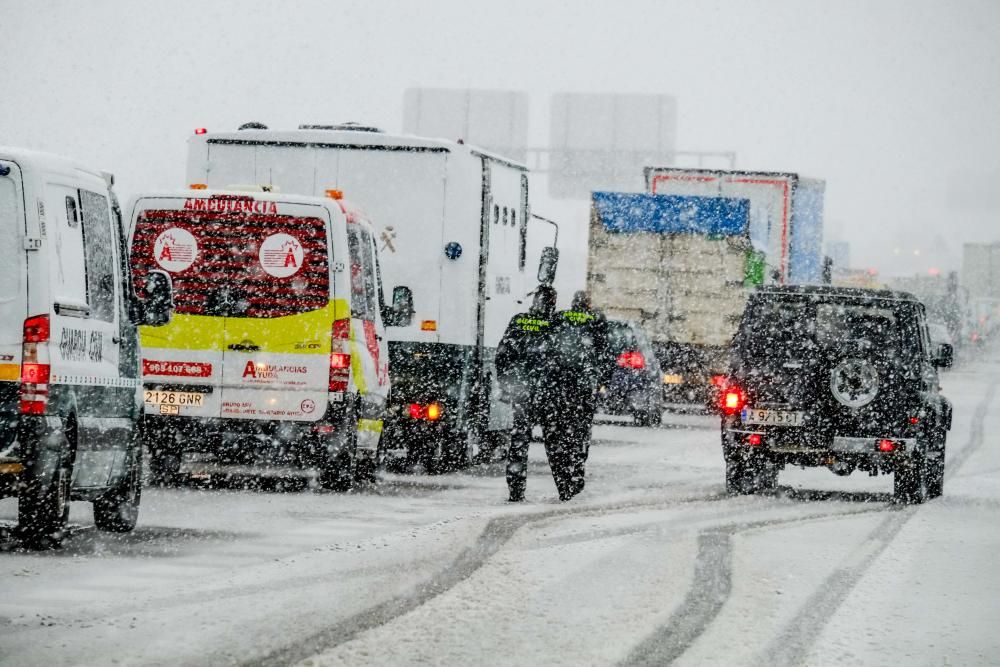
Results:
806 244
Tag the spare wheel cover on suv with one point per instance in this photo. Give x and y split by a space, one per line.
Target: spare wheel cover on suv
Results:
854 382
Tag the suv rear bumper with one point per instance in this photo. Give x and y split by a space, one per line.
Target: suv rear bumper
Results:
862 452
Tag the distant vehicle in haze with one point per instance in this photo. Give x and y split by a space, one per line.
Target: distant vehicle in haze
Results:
633 384
844 378
70 402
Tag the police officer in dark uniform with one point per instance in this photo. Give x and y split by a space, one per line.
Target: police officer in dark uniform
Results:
526 368
584 359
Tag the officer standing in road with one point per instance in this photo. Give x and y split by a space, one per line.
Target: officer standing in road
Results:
528 374
584 358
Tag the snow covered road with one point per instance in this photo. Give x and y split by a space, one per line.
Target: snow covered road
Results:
651 563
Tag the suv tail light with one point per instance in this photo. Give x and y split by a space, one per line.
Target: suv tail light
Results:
733 400
340 358
632 359
35 369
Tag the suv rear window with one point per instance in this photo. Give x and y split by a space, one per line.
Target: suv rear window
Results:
795 326
235 264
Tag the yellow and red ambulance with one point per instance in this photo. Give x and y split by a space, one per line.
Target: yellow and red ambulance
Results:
275 361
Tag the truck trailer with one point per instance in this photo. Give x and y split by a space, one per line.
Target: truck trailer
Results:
681 267
452 223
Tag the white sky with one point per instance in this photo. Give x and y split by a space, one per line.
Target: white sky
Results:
896 104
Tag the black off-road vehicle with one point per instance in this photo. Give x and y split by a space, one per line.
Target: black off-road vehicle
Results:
838 377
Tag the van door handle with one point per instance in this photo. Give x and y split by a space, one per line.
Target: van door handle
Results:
116 339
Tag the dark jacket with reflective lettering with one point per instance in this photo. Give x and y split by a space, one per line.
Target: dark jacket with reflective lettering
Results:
524 359
580 345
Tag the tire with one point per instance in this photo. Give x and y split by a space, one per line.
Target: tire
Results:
118 510
338 474
746 476
456 453
494 447
909 482
164 463
935 472
43 508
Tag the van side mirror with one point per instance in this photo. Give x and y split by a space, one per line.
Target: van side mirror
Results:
156 302
547 265
400 314
944 356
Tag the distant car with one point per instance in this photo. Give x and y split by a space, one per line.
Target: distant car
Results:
837 377
633 385
690 375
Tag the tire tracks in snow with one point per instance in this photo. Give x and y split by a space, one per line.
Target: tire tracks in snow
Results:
792 645
712 583
497 532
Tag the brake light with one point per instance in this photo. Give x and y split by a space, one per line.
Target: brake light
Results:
755 439
340 358
733 400
886 445
200 130
632 359
431 411
36 329
35 369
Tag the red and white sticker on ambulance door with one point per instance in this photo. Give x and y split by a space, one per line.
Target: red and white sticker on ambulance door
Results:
281 255
175 249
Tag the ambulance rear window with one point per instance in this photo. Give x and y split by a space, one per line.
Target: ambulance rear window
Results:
235 264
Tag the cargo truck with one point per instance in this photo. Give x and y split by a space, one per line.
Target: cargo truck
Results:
681 267
452 227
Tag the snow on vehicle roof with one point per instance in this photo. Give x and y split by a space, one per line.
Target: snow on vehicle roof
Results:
346 138
837 292
26 157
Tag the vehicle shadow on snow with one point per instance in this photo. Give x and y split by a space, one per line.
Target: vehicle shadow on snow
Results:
818 495
144 541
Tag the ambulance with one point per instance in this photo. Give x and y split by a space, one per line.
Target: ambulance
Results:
275 361
70 405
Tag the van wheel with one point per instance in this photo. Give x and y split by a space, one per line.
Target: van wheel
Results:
118 510
338 473
43 508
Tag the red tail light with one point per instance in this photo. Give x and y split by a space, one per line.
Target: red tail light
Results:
632 359
340 359
886 446
733 400
431 411
755 439
36 329
35 369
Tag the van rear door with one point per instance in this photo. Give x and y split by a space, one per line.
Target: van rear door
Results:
259 302
13 296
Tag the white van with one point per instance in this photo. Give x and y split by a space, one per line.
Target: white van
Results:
275 361
453 226
69 388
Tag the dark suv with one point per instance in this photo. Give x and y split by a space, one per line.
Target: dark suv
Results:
838 377
633 385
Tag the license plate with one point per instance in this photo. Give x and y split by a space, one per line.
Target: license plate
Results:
671 378
173 399
771 417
